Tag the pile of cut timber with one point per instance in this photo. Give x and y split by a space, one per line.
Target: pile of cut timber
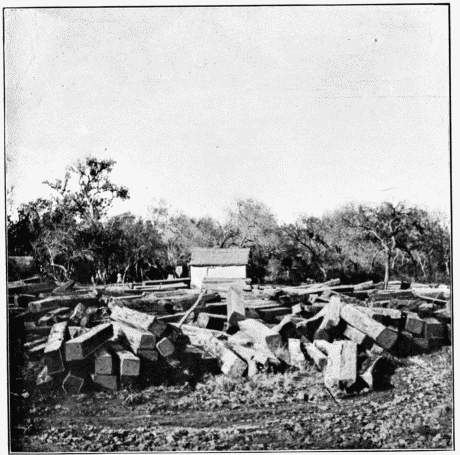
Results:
90 337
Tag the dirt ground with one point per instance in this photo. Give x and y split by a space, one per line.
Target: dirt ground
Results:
266 412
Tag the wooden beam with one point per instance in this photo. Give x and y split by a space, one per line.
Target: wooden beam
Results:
230 363
108 381
81 347
341 368
414 324
382 335
54 349
261 333
136 338
103 362
137 319
236 310
318 357
165 347
296 355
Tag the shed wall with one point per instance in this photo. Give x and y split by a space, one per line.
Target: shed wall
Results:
198 273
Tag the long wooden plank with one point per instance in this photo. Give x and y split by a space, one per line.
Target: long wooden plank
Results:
382 335
80 347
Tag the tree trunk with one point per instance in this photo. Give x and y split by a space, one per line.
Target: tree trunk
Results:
387 269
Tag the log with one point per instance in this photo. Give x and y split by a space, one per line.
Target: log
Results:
73 382
108 381
70 301
136 338
296 355
29 288
248 355
414 324
148 354
433 329
364 286
54 349
230 363
382 335
262 354
318 357
355 335
103 362
137 319
261 333
341 368
165 347
129 364
236 310
82 346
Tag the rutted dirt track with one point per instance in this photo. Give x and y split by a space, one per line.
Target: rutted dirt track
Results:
267 412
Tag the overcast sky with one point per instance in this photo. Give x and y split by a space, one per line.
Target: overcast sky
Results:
304 108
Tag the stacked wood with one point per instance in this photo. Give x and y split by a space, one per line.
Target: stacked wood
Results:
70 301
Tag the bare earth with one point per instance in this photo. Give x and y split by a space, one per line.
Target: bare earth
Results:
267 412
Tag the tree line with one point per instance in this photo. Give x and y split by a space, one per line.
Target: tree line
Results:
70 235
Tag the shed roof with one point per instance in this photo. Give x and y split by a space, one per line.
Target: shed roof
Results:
220 256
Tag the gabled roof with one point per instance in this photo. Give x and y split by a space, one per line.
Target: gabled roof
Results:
220 256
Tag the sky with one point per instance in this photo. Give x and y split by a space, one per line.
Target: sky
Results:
304 108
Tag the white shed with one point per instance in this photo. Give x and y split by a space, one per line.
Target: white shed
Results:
218 263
